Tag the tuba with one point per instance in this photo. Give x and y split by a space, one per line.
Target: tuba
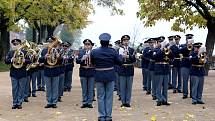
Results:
33 55
52 54
19 55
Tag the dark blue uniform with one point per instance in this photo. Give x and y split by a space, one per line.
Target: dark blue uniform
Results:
104 59
126 73
51 76
176 74
86 74
18 78
185 68
197 73
145 71
161 71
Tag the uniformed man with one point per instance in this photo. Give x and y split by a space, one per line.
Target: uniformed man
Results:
116 68
185 51
197 72
126 71
151 82
176 74
69 65
51 71
145 63
171 42
40 74
17 73
162 57
86 73
104 59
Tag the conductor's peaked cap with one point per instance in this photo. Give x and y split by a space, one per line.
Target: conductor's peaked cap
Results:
105 37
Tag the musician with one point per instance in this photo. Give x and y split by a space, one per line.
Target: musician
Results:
61 72
151 82
176 74
162 57
171 42
86 73
197 72
126 71
18 75
116 67
144 65
104 59
69 64
185 51
40 74
51 72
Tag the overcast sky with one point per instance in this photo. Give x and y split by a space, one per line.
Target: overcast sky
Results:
120 25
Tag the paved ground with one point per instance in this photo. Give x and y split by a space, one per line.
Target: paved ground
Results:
143 108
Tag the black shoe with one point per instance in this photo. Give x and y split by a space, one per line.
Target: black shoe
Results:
165 103
200 102
127 105
179 91
69 90
14 106
108 120
54 106
194 103
26 100
90 106
169 86
119 98
34 95
39 89
19 107
159 103
174 91
29 95
59 99
43 90
148 93
84 106
185 97
65 89
154 98
48 106
94 99
122 105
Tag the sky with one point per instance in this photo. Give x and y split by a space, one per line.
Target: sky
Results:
120 25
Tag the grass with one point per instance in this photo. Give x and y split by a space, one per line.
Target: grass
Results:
4 67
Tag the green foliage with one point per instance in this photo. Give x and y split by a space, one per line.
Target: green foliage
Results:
4 67
185 13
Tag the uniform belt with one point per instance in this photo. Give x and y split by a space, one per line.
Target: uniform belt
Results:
177 58
161 63
87 67
104 69
48 66
197 65
127 65
185 57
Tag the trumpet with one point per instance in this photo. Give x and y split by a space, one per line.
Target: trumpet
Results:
19 55
189 47
166 53
202 58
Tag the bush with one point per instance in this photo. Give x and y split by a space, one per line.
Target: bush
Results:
4 67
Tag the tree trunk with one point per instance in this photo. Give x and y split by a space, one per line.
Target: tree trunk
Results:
43 33
4 43
210 43
34 35
50 30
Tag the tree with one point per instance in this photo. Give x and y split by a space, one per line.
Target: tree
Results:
185 13
42 14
